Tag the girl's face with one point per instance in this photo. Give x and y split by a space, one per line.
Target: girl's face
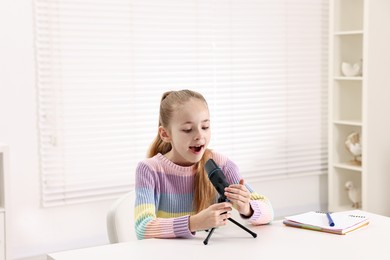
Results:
188 133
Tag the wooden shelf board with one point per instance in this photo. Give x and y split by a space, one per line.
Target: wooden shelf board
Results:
348 78
348 122
348 166
352 32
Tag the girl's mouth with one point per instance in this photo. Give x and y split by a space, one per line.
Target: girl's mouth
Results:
196 149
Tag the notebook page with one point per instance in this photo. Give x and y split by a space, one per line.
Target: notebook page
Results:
342 220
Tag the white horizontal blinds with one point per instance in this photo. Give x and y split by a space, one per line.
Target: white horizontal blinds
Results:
103 65
271 83
306 145
86 103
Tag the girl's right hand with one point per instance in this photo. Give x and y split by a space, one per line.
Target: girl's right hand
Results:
214 216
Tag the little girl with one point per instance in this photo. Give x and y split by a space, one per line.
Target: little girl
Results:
174 197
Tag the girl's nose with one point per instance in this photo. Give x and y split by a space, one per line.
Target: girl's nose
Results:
198 135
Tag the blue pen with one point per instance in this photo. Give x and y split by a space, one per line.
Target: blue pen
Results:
331 223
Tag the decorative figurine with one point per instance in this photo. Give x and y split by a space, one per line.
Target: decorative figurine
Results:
351 70
354 194
354 148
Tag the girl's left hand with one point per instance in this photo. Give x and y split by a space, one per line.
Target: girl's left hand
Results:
239 195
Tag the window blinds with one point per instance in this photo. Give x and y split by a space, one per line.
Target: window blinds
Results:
103 65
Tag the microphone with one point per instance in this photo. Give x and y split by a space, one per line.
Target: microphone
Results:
216 177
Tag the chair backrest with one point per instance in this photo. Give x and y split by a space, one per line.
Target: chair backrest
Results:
120 219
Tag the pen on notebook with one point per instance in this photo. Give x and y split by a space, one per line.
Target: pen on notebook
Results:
331 223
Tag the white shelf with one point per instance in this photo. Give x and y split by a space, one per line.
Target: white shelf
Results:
347 78
348 166
358 104
342 33
346 100
348 122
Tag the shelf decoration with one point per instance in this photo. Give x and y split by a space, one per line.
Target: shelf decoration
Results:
354 194
354 147
351 69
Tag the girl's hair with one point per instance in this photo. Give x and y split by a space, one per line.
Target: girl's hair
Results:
204 191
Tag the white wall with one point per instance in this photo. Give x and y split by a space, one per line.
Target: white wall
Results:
35 231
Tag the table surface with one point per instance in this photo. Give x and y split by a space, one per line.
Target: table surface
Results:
274 241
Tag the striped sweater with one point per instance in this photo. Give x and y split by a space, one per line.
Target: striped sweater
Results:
164 194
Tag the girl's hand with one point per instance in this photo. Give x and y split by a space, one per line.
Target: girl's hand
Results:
239 195
214 216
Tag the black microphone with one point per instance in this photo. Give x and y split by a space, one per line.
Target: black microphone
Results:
216 177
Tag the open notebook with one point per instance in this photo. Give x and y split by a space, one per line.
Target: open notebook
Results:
344 222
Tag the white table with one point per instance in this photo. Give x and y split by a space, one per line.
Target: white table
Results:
274 241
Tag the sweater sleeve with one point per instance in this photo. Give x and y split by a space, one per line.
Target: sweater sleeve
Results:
262 208
147 224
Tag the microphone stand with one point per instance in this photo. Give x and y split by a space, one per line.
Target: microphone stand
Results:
222 199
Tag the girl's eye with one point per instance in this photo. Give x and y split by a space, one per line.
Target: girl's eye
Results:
186 130
205 127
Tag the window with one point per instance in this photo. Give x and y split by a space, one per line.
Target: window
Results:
103 65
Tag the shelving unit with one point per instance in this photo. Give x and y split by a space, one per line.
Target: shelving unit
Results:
3 175
359 103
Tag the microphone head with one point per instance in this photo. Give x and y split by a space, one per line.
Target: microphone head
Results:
216 176
211 166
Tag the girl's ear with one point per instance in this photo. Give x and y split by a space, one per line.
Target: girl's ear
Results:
164 134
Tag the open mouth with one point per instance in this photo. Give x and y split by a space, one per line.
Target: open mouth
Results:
196 148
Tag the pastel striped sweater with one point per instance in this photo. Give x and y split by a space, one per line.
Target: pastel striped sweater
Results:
164 197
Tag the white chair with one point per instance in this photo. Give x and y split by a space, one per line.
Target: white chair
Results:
120 219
